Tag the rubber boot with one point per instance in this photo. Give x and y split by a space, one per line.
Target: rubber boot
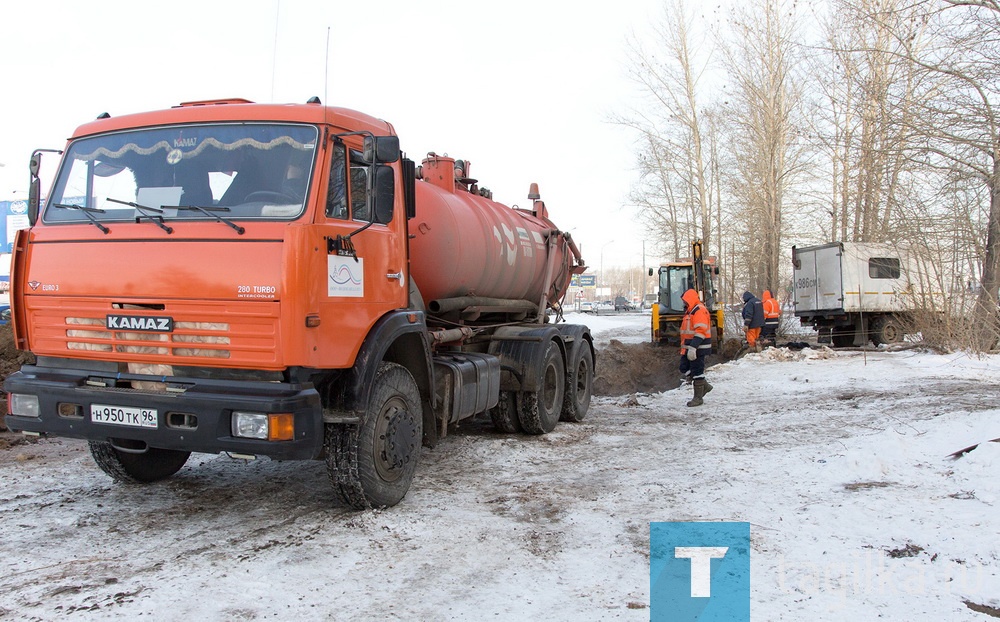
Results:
699 392
708 387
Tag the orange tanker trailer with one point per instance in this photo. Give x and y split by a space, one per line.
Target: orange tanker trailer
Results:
279 280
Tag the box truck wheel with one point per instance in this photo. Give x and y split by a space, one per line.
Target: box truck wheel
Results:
886 329
504 414
539 410
137 468
842 337
579 384
372 463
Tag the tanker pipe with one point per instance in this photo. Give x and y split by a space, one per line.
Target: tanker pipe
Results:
452 334
576 251
550 259
444 305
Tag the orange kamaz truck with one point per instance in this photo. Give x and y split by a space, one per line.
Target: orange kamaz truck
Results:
281 281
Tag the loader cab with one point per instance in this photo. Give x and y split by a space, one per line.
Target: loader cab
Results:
677 278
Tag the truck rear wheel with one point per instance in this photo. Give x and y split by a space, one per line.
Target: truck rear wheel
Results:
579 385
371 464
886 329
137 468
504 414
539 410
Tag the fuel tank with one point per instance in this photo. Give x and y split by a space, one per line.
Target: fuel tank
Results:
464 244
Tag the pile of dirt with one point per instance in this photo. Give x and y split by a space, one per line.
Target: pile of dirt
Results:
635 368
624 369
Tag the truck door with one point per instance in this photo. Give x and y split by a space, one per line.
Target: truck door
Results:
804 281
363 268
829 278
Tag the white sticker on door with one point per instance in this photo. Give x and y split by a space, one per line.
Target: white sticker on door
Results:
345 277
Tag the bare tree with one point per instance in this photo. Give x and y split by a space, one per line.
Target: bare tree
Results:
674 196
873 96
763 109
963 129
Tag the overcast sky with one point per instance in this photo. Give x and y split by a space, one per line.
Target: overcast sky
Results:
523 90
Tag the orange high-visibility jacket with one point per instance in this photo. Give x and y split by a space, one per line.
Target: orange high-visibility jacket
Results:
771 307
696 327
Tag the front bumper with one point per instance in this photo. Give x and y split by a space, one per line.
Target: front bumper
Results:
195 414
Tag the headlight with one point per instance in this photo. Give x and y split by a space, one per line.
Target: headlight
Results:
24 405
250 425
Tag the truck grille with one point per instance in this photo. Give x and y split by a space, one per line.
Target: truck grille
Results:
211 334
243 334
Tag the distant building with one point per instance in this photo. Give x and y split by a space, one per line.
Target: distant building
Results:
13 217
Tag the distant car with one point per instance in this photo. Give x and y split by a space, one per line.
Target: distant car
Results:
586 307
4 314
622 304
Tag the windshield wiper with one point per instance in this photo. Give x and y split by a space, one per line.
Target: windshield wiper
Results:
208 212
86 212
156 219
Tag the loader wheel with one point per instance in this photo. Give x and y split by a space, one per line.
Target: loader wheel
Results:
579 384
504 414
371 464
886 330
137 468
539 411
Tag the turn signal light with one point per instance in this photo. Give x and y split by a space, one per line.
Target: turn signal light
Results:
281 427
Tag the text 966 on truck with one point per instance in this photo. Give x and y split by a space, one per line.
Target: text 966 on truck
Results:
281 281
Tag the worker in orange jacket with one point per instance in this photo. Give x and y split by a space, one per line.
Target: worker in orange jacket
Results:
772 318
696 344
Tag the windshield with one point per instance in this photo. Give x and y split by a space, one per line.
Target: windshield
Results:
232 171
674 281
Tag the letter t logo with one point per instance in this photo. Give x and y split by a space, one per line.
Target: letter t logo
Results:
701 566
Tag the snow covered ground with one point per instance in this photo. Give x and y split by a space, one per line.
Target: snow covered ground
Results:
838 460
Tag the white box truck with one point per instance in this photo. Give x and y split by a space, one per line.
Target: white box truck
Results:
852 292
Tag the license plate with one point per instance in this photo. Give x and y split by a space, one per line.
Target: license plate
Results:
123 415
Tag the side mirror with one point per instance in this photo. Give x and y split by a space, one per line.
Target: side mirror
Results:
381 149
34 187
35 184
650 272
384 195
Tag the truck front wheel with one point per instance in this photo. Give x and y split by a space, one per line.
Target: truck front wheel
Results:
137 468
372 463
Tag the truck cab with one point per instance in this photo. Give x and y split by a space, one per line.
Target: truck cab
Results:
240 278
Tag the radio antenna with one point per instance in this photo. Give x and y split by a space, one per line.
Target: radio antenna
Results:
326 70
274 48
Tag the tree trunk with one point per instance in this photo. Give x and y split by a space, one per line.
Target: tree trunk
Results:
987 328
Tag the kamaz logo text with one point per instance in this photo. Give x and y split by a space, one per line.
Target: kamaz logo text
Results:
140 322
